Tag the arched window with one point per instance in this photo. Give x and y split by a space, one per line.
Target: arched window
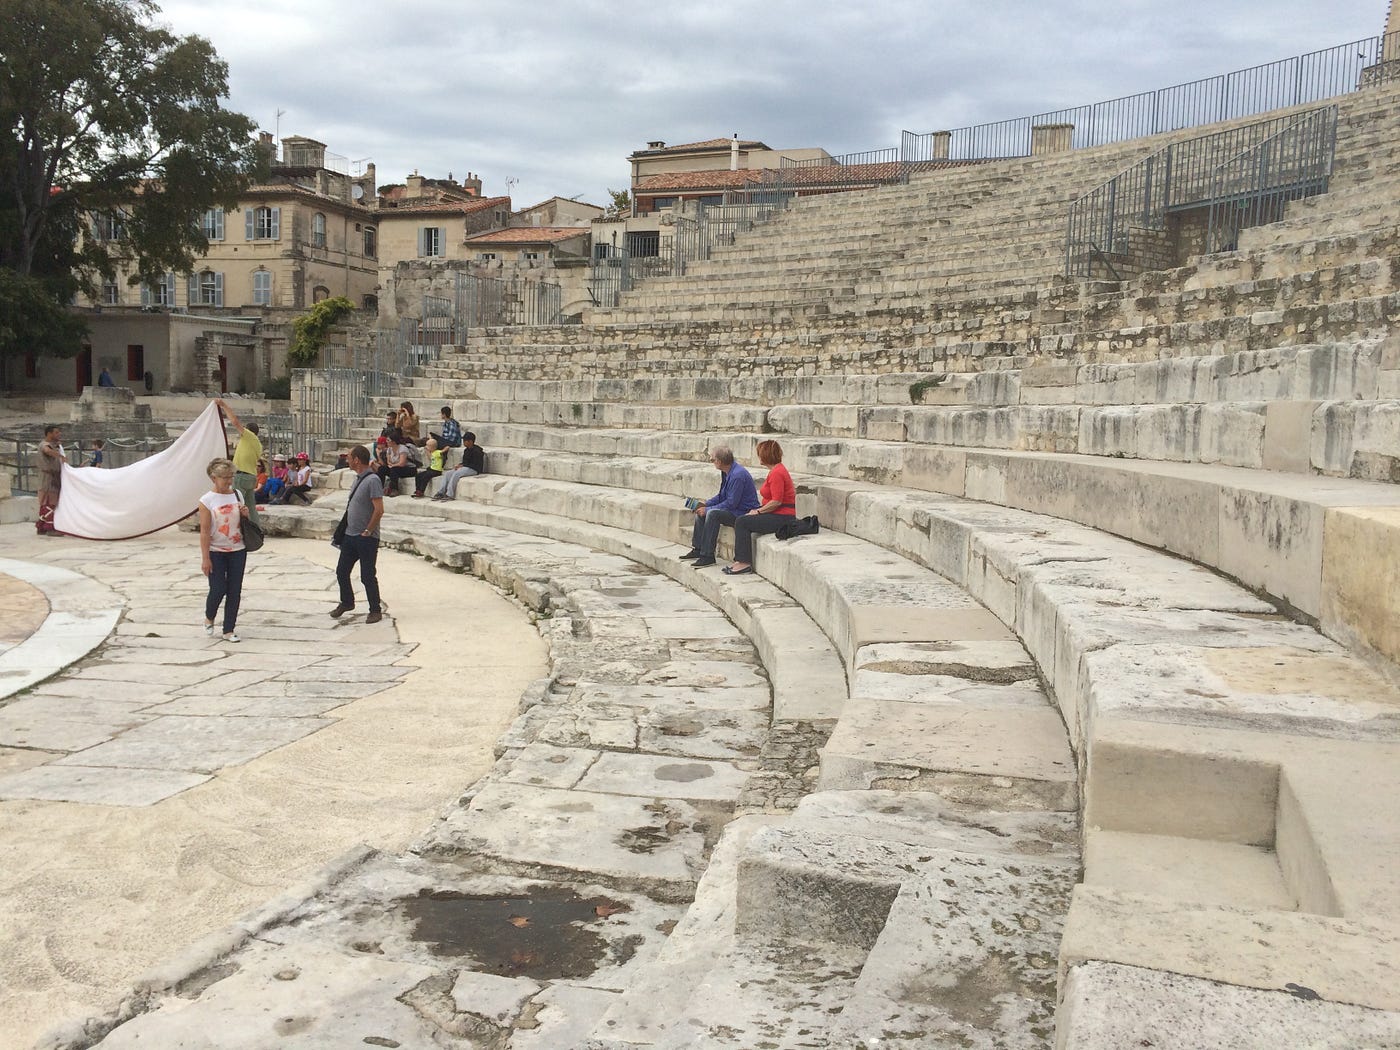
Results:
318 230
320 293
371 304
262 288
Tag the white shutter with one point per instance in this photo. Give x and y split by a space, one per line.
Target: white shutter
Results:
442 240
421 248
248 223
192 287
145 294
218 289
170 289
276 224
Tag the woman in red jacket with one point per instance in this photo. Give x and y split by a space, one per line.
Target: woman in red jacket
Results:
778 504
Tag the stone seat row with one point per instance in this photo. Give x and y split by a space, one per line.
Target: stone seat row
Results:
908 666
1103 619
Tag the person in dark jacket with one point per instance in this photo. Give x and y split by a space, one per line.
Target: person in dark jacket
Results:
473 463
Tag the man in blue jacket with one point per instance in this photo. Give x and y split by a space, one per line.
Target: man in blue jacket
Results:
737 496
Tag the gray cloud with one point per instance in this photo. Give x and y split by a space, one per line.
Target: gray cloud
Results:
556 94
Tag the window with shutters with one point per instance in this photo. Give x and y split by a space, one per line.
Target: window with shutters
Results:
207 289
431 241
262 224
262 288
108 226
486 257
371 242
318 230
162 293
213 224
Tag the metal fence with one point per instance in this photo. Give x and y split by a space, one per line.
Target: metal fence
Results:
1240 176
1296 81
326 403
18 451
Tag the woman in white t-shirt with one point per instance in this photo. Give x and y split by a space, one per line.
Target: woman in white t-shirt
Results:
222 555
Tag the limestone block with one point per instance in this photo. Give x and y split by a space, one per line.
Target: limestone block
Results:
1338 371
1109 431
1104 1006
1106 384
996 388
881 424
876 462
1272 541
1172 866
968 427
1333 959
1048 428
1360 585
809 680
1232 433
1288 430
1359 439
934 469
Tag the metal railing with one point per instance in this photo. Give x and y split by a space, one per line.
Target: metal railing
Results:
18 451
1253 188
1295 81
326 403
1253 169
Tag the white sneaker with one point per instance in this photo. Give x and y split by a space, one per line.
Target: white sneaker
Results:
209 630
232 637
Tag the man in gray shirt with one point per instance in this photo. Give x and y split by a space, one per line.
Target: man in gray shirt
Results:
362 514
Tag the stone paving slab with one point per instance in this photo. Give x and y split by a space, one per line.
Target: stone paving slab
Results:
634 843
98 785
197 745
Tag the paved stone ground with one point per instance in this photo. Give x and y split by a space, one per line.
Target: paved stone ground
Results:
518 918
167 782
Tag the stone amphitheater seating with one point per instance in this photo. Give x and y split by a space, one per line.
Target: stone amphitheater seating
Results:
1167 503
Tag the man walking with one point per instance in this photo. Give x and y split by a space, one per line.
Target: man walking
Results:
245 460
736 496
362 513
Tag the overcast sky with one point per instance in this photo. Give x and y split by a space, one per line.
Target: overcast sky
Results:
550 97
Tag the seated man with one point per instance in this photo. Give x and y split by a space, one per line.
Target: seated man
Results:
451 430
473 463
736 496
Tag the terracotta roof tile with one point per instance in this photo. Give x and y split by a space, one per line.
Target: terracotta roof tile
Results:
529 235
467 207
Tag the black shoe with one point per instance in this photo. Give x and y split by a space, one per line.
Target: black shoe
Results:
701 563
692 553
340 610
374 617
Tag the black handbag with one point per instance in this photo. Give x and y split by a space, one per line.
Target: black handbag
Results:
252 532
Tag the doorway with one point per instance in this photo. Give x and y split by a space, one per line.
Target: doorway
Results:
84 368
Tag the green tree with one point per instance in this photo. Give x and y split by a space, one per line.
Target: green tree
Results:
108 114
621 205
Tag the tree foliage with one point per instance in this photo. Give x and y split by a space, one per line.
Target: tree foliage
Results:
309 331
108 113
621 205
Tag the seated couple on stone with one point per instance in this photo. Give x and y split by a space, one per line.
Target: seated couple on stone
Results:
473 463
736 505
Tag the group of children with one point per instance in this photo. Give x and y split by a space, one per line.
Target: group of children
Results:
286 480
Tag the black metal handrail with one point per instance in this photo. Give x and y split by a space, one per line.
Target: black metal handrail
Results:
1123 218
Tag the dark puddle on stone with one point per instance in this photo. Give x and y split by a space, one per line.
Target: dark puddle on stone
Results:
548 935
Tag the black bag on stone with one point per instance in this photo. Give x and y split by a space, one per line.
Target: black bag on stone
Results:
808 526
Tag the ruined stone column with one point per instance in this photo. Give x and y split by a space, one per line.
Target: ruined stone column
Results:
942 141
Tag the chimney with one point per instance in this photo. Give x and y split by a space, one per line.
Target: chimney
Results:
656 144
472 185
413 186
734 152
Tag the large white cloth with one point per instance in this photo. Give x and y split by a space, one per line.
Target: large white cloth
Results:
119 504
